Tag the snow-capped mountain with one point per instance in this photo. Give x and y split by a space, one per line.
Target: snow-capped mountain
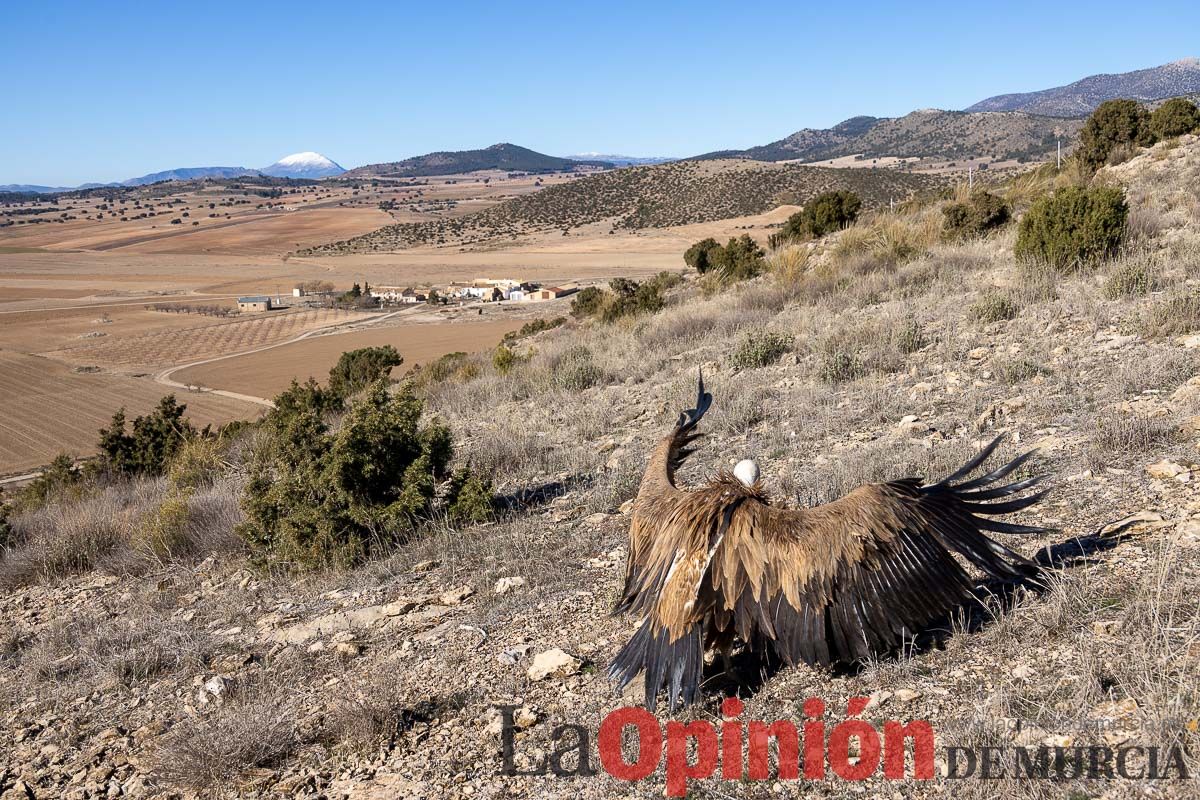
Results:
303 165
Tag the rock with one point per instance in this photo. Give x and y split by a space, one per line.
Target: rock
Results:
456 595
1022 671
553 663
425 566
510 656
978 353
1190 342
525 717
877 698
347 649
1166 469
506 585
1106 627
906 695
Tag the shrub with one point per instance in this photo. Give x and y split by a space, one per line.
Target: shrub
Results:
840 366
316 497
504 359
760 349
910 337
470 499
5 526
982 213
1130 279
357 369
163 532
1172 316
588 302
740 259
825 213
1114 123
153 442
993 307
457 366
59 481
665 280
575 370
700 255
1175 118
534 326
1073 227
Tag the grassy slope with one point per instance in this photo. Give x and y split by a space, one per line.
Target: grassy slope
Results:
1108 653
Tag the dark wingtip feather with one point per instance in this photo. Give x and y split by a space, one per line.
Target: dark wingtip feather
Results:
970 466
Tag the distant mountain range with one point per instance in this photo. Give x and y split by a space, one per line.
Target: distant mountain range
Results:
1080 98
1021 126
503 156
298 165
620 161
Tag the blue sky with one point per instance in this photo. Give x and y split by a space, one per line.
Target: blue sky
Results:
105 91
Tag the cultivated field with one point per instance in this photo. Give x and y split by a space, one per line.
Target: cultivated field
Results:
49 409
204 337
267 373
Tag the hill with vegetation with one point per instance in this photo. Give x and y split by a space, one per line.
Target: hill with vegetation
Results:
659 196
922 134
504 156
1080 98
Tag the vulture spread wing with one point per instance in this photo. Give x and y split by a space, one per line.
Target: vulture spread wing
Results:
832 583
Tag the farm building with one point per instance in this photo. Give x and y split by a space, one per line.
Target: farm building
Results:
398 294
254 303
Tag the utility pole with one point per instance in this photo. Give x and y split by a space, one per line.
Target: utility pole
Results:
971 176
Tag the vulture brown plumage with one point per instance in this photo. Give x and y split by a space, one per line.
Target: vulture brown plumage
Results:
834 583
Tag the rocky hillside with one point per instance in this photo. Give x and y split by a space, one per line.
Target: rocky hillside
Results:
928 133
504 156
664 195
198 674
1080 98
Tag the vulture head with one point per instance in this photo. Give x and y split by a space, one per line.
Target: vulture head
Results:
836 583
746 471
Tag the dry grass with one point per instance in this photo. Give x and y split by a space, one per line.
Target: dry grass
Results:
213 751
1174 315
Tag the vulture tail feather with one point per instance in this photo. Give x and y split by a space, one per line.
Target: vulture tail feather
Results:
689 418
677 665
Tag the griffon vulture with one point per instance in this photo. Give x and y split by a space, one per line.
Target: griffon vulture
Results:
832 583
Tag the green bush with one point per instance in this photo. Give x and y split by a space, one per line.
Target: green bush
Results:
1073 227
470 499
699 255
59 481
151 445
318 497
504 359
760 349
588 302
740 259
1114 125
357 369
825 213
911 337
993 307
982 213
1175 118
